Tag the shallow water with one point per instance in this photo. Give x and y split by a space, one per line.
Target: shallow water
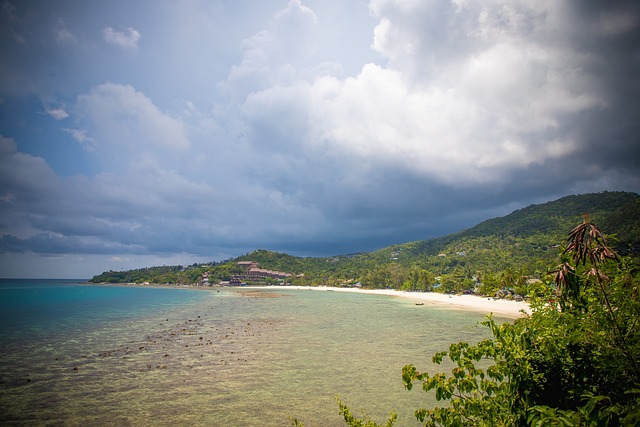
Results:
220 358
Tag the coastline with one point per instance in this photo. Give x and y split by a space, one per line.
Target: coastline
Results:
487 305
501 307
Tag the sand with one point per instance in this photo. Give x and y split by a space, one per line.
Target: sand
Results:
502 307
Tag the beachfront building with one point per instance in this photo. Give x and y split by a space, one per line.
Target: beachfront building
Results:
255 274
248 265
260 273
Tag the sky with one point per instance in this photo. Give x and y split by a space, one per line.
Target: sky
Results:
165 132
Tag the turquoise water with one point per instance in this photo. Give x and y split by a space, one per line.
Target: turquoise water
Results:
76 354
34 309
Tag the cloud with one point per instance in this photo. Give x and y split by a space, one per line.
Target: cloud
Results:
475 95
378 117
28 175
106 214
80 135
127 39
482 101
121 117
58 113
27 185
620 20
49 243
460 111
275 55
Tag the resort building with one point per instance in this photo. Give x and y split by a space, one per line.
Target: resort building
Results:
248 264
253 273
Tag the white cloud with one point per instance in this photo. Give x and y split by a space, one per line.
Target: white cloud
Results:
128 38
276 55
378 118
122 117
484 99
58 113
481 111
80 135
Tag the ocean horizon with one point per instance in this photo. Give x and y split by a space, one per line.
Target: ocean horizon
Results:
84 354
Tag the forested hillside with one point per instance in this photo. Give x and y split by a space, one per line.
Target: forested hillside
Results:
507 252
573 362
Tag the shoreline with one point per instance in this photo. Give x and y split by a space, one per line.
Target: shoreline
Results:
501 307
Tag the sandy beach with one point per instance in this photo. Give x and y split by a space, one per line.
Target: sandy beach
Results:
487 305
502 307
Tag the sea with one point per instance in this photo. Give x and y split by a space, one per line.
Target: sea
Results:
79 354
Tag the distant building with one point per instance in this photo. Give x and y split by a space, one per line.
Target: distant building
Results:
248 264
260 273
236 280
255 273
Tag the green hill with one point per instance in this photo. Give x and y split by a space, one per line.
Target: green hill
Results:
529 235
524 243
559 215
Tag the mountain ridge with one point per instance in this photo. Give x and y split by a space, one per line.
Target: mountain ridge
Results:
526 239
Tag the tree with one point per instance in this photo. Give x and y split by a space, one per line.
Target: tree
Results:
385 276
572 362
489 283
418 279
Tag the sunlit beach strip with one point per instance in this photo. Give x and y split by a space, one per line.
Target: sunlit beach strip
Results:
502 307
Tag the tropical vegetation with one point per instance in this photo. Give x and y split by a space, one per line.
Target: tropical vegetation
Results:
508 253
575 361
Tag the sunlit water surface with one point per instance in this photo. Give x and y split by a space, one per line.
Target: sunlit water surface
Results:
75 354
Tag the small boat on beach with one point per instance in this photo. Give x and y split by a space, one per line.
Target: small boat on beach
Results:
419 303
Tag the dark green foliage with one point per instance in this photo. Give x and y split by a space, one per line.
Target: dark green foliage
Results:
385 276
558 216
418 279
164 274
624 223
